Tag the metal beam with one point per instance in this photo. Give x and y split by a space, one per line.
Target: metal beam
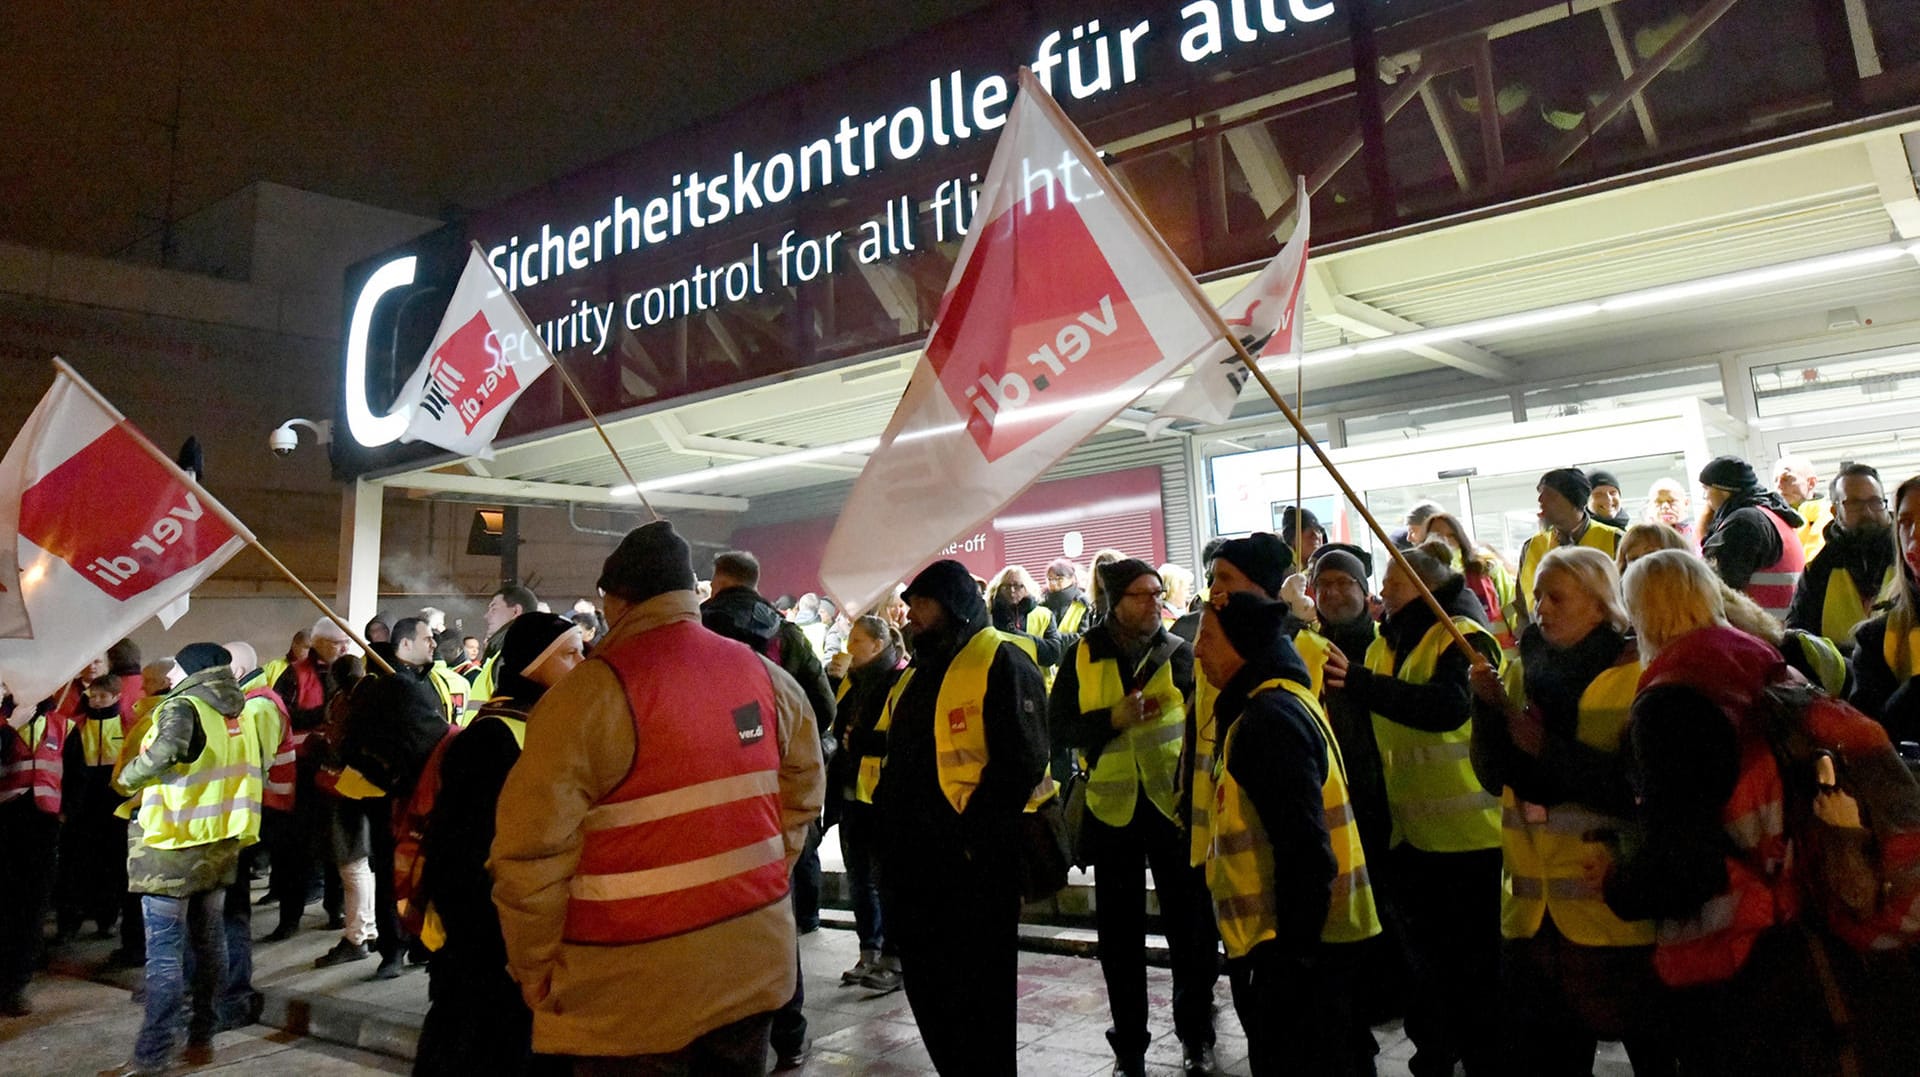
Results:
1329 306
1623 57
1598 115
1893 174
676 437
442 482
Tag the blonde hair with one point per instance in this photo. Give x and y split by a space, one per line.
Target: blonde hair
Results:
1014 574
1670 593
1659 535
1179 584
1594 573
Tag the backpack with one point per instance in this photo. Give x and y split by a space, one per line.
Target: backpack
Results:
1853 816
410 819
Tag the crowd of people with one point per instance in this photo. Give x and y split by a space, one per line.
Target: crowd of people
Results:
1639 783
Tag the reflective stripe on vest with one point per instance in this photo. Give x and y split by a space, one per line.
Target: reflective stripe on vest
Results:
1555 856
1240 865
1845 607
215 797
1771 588
32 764
1436 802
692 835
1145 756
1711 946
959 726
273 729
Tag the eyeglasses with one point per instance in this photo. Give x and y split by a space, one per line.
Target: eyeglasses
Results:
1864 503
1154 595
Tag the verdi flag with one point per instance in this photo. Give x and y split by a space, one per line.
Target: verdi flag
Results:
484 356
1266 317
1063 307
105 532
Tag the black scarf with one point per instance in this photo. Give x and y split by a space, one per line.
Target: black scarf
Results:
1556 678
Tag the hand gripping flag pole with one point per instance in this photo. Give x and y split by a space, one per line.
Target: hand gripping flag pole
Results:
219 509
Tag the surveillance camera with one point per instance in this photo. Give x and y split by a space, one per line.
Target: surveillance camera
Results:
283 441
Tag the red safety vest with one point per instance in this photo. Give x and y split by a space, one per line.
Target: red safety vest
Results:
1772 587
692 836
1713 945
30 760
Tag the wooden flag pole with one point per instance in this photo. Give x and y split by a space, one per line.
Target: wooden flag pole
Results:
581 400
1299 454
1300 432
219 510
572 387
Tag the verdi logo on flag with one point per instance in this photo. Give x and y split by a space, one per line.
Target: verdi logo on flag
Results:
1063 307
484 356
1034 339
469 375
157 530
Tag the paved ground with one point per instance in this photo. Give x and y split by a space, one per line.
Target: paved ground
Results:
333 1021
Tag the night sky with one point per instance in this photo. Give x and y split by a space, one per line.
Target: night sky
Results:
424 108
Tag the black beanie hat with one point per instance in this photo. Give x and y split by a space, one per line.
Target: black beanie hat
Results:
1358 553
195 657
1729 473
1340 561
1309 523
1117 576
1251 623
952 585
1570 483
1262 557
651 560
529 637
1598 478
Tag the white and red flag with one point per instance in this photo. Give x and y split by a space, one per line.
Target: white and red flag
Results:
104 531
1265 315
484 356
1063 307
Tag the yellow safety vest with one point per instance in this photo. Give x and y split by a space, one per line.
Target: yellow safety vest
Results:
1039 618
1844 609
1205 696
1812 532
1553 858
272 671
1599 536
1829 665
1146 756
480 686
1437 804
100 740
1313 648
456 695
959 725
1899 647
214 798
1076 615
1240 867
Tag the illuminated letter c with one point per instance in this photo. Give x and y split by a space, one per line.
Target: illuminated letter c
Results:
367 428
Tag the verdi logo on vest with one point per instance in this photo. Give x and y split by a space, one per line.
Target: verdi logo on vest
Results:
119 517
1036 347
470 375
750 723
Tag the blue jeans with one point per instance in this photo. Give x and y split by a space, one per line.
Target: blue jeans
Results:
237 996
860 849
176 926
